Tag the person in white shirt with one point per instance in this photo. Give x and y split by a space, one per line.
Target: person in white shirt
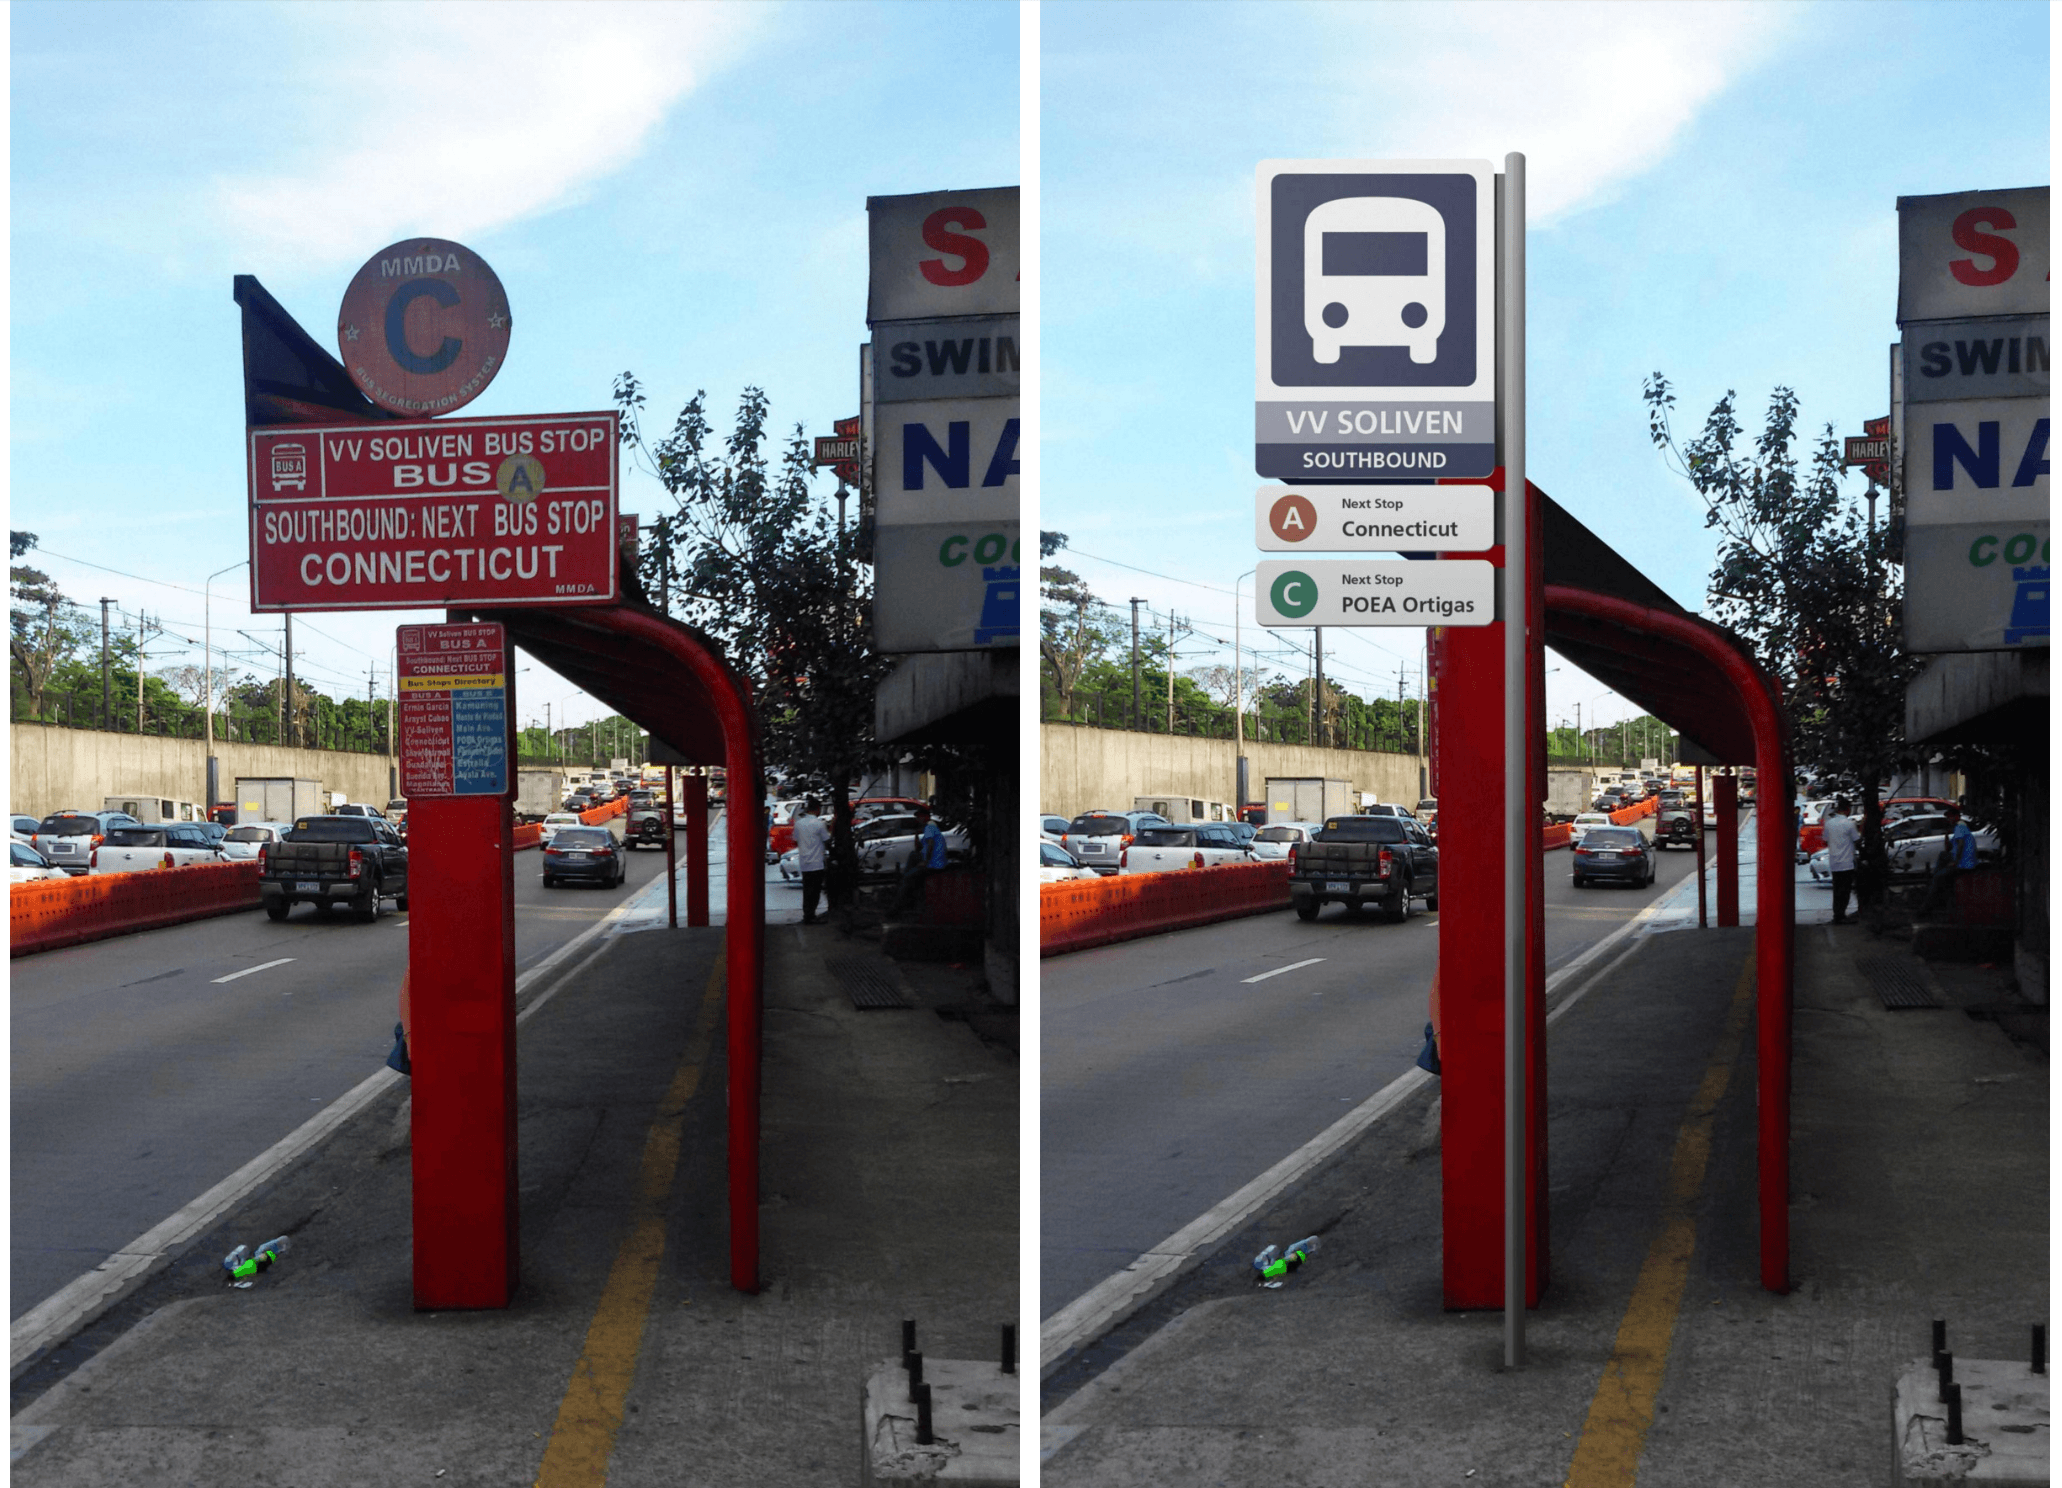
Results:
812 837
1842 837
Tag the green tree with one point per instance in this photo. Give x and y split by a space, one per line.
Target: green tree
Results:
1075 629
1801 578
753 557
45 628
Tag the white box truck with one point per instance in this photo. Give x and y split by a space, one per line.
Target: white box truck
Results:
539 790
1183 809
277 798
1308 798
151 810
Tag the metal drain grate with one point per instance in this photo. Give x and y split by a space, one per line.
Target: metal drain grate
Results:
866 982
1899 982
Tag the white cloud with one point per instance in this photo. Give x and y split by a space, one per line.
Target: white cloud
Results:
472 114
1594 95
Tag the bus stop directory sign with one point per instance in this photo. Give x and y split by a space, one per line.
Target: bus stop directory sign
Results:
456 513
454 710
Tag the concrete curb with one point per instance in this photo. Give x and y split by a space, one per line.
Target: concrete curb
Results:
89 1297
1117 1297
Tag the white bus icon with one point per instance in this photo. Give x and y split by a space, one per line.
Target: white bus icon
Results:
1374 274
290 466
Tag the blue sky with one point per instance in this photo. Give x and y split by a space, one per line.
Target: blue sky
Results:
675 189
1713 195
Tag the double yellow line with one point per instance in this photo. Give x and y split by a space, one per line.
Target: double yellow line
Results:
1608 1455
584 1436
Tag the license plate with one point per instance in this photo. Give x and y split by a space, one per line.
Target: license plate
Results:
572 854
1333 886
307 888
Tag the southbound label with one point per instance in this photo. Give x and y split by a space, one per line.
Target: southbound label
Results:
454 709
414 516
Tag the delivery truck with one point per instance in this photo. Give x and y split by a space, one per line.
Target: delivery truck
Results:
277 798
1308 798
540 790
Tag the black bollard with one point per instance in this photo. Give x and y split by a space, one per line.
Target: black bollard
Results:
1939 1339
909 1336
1954 1415
923 1417
2040 1348
1009 1347
1944 1361
914 1363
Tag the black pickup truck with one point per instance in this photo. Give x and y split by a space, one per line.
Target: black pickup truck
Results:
1360 860
330 860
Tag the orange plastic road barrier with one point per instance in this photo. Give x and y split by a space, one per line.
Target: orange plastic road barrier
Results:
1554 836
606 811
1630 814
1079 913
47 913
527 835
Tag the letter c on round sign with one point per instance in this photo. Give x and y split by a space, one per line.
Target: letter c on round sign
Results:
397 327
1292 518
1293 594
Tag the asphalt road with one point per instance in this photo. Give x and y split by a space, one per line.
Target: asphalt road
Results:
1171 1078
141 1078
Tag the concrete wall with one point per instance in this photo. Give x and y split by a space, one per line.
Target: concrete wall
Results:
1080 768
50 768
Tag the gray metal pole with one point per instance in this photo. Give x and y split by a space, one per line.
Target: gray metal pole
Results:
107 707
1520 823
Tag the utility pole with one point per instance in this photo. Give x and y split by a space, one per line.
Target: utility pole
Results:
1136 716
107 706
550 749
1318 692
139 671
292 723
1170 674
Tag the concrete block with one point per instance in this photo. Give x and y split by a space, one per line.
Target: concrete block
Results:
974 1416
2004 1426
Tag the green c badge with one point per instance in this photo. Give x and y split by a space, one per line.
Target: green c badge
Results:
1293 594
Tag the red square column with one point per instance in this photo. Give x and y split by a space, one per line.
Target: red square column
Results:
1468 744
462 1050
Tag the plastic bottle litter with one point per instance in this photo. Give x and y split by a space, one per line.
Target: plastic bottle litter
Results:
242 1263
1273 1265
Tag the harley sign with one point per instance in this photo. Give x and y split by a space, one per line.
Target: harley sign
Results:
460 512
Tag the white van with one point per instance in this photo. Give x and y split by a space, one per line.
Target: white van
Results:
154 810
1374 274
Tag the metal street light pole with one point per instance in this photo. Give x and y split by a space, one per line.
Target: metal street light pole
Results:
1238 688
208 666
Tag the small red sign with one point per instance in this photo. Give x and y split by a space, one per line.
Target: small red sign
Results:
507 511
424 327
454 709
847 471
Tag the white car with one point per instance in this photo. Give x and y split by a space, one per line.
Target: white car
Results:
25 864
1273 841
791 865
142 849
1171 849
1051 828
1915 844
885 843
1099 838
1584 824
1057 865
67 838
245 838
553 824
24 827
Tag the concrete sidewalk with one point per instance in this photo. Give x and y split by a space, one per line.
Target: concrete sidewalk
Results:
890 1191
1920 1186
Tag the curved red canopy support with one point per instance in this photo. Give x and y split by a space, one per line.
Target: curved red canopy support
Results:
1750 698
672 681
